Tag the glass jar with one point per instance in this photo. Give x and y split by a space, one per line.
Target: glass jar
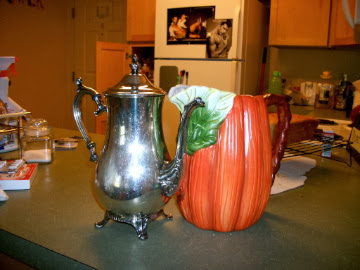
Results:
325 94
326 90
37 143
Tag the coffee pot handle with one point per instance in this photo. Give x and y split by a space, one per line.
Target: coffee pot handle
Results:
81 91
282 128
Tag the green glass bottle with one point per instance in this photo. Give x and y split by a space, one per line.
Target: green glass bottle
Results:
275 84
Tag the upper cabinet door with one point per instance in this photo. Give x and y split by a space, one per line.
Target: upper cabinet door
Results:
141 20
299 23
341 33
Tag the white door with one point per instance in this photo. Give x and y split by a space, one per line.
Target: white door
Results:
95 20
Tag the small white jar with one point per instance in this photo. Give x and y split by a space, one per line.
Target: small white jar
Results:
38 143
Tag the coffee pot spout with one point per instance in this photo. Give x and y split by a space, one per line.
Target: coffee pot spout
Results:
170 173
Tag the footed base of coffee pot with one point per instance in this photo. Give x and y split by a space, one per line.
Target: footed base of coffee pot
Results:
138 221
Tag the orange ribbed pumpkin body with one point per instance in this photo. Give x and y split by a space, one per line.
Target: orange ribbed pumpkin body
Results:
226 186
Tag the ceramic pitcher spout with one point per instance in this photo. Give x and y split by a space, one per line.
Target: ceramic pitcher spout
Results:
170 172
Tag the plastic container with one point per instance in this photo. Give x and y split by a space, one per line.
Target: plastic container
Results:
9 141
275 84
6 62
38 145
308 89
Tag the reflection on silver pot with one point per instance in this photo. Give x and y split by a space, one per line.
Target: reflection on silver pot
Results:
134 177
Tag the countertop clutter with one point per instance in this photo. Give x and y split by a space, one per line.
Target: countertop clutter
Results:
52 225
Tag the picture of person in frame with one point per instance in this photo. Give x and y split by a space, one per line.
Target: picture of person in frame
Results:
175 30
188 25
218 38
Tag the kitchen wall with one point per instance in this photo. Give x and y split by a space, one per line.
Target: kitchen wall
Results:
306 64
42 40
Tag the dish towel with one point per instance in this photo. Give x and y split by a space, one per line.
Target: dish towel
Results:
292 173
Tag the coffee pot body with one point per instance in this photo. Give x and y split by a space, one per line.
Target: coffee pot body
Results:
134 176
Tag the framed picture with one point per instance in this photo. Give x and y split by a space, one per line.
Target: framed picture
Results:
219 37
188 25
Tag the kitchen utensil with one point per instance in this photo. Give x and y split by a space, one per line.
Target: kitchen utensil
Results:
134 178
226 186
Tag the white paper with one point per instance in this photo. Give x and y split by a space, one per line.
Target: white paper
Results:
292 173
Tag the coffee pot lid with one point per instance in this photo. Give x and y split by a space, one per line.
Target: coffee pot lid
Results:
134 84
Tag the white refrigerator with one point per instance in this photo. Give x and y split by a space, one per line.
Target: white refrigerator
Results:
237 72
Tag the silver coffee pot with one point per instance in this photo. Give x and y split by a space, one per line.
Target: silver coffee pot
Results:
134 177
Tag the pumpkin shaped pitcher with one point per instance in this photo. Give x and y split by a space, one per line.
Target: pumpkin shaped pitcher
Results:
226 186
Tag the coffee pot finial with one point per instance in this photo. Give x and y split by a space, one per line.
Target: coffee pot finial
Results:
134 64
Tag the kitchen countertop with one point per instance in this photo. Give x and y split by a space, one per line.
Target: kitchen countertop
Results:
313 112
52 225
318 113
